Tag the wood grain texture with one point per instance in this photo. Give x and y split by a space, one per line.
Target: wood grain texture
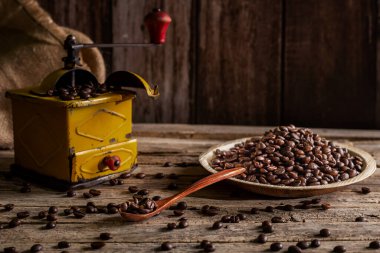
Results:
329 76
182 151
167 66
238 62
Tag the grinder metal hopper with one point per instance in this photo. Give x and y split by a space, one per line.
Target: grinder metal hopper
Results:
71 131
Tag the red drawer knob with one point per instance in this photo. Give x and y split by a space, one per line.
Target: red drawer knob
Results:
113 162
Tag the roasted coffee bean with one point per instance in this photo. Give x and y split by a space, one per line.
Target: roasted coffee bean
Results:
143 192
133 189
112 210
105 236
64 245
324 232
120 182
204 243
303 244
10 250
294 249
269 209
36 248
339 249
316 201
366 190
94 192
9 207
266 223
42 214
217 225
276 246
171 226
156 198
125 175
374 245
87 195
172 186
182 205
254 210
235 219
90 203
325 206
166 246
315 243
183 224
209 248
277 219
173 176
97 245
51 217
91 209
23 215
226 218
268 229
262 238
167 164
113 182
68 211
178 212
242 216
140 175
14 223
289 208
51 225
71 193
159 175
53 209
79 214
360 219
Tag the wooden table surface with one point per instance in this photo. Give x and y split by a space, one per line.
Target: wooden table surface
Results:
180 145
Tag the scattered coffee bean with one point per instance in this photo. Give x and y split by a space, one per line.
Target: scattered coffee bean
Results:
23 215
360 219
90 203
14 223
167 164
112 210
172 186
276 246
120 182
105 236
166 246
140 175
143 192
91 209
226 218
133 189
217 225
374 245
315 243
242 216
42 214
294 249
316 201
51 217
266 223
71 193
79 214
268 229
277 219
156 198
209 248
339 249
269 209
234 219
289 208
324 232
262 238
325 206
51 225
366 190
97 245
182 205
254 210
303 244
209 210
67 211
64 245
10 250
182 219
113 182
125 175
94 192
87 195
173 176
9 207
183 224
159 175
53 209
178 212
171 226
204 243
36 248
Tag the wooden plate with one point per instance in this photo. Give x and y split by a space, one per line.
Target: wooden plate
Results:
369 165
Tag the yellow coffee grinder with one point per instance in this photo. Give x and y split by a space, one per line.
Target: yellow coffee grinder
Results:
71 131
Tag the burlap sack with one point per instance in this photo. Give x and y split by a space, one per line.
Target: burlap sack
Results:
31 46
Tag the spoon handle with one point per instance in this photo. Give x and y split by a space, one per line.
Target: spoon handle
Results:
203 183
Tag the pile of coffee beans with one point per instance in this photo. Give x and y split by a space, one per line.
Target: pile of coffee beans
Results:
289 156
139 205
84 91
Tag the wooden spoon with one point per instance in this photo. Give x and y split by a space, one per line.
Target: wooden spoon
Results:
167 202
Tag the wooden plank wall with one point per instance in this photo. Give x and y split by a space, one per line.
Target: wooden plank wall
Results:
312 63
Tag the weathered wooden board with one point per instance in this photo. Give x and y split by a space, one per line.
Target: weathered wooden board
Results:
238 62
329 73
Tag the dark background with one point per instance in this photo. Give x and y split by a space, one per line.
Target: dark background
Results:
253 62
